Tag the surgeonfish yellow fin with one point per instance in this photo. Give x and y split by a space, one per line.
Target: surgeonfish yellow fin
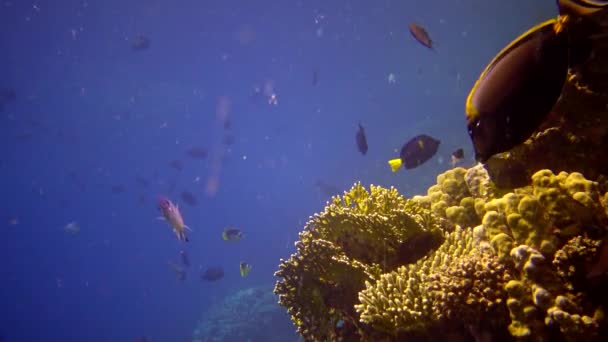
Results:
580 7
224 236
395 164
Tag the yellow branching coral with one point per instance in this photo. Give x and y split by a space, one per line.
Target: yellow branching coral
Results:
400 300
357 237
319 287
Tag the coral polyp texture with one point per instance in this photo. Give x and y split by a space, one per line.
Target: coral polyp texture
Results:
468 260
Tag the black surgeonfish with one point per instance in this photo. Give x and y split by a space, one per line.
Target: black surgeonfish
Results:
361 140
521 84
415 152
213 274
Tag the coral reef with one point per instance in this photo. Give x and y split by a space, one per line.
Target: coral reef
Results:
515 249
247 315
508 264
360 235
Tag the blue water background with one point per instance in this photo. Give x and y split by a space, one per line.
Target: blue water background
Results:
91 113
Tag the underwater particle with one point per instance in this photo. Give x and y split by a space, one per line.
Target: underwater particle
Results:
189 198
361 140
415 152
140 43
391 78
421 35
214 273
197 153
72 228
173 216
520 86
232 234
245 268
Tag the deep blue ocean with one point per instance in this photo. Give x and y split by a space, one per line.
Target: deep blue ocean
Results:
271 92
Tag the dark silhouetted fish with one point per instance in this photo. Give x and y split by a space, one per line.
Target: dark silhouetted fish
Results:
245 268
228 139
141 181
213 274
361 140
176 164
140 43
184 258
189 198
457 157
180 272
118 189
197 153
415 152
227 123
232 234
420 34
6 95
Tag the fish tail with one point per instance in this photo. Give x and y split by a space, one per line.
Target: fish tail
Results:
580 7
395 164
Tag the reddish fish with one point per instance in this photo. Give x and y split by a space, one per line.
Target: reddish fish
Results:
420 34
173 216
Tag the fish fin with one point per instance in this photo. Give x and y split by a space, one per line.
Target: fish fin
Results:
395 164
190 229
161 218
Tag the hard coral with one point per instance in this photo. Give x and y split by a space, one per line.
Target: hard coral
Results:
451 199
358 236
493 262
401 300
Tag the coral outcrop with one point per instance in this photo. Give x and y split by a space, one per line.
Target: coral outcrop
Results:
247 315
506 264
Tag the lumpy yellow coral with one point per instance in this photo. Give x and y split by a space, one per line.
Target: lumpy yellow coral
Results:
517 260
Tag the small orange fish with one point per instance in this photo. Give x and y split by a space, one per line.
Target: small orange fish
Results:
173 216
420 34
